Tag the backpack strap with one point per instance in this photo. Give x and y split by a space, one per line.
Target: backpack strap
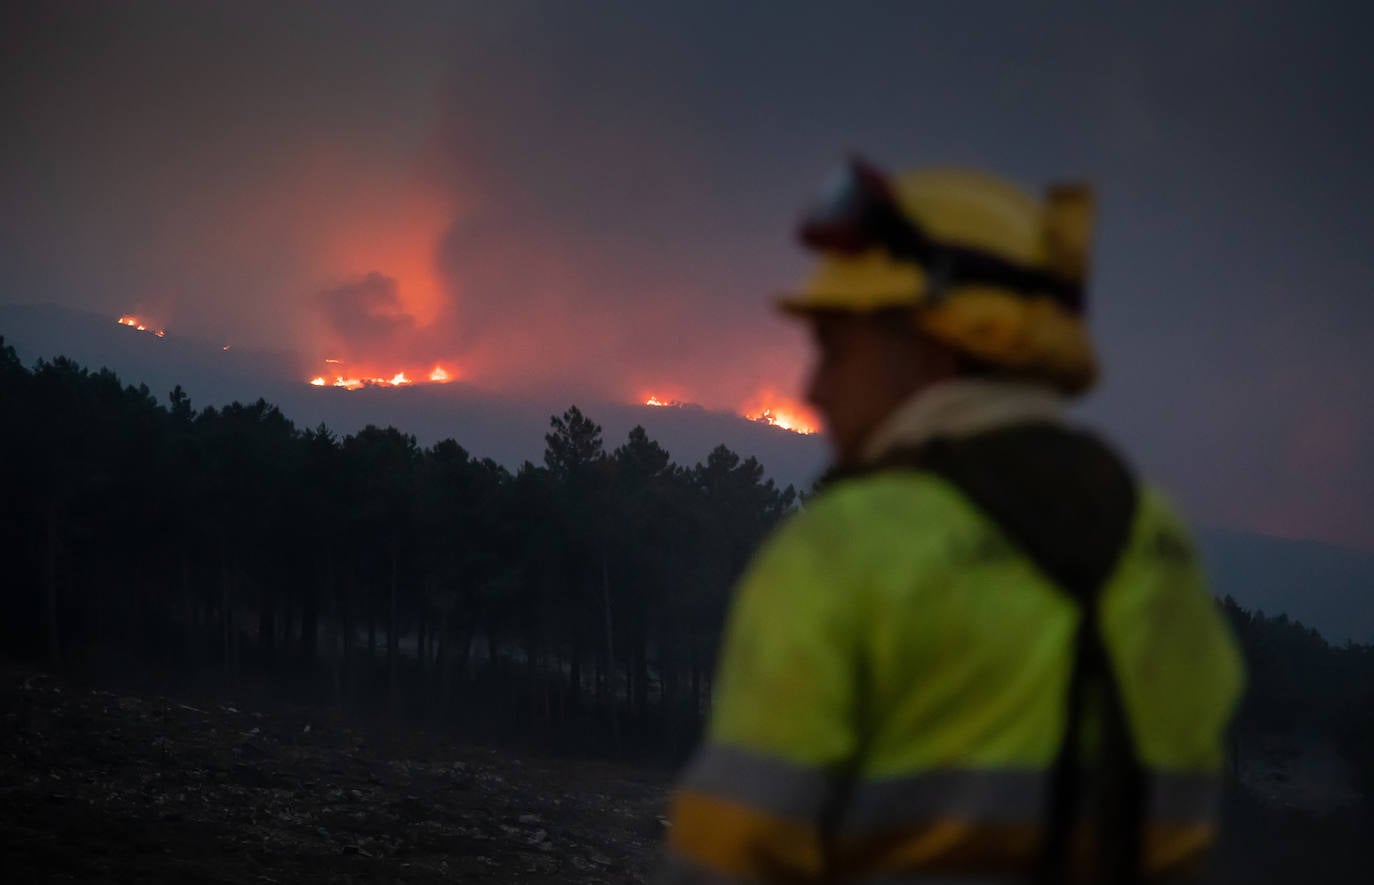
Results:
1068 501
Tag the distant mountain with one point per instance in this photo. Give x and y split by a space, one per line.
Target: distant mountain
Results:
506 430
1326 587
205 368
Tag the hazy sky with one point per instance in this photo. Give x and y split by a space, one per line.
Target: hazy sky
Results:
600 196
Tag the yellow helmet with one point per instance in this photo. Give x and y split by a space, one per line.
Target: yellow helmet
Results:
991 270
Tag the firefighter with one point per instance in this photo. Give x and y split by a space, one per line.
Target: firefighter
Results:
984 651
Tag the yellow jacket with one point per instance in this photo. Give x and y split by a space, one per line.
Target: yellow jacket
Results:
894 696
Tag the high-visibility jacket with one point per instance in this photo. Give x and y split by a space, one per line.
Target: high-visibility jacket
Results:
896 685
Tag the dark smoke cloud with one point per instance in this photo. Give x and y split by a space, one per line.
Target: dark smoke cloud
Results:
366 317
605 194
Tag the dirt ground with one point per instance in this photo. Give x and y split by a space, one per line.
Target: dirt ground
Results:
101 787
124 786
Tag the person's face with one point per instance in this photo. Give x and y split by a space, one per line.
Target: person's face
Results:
865 368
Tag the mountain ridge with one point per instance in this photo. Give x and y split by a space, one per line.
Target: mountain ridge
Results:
1325 586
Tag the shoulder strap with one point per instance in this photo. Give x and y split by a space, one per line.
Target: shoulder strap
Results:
1068 501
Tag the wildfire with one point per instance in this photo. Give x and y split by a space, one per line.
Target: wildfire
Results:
139 325
352 381
785 420
765 407
768 407
660 401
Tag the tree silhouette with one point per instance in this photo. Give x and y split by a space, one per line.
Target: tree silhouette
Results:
578 602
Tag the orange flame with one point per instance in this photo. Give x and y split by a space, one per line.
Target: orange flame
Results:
766 407
661 403
139 325
354 381
664 396
784 419
771 408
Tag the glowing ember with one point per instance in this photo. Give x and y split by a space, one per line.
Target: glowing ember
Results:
140 325
439 376
655 401
318 381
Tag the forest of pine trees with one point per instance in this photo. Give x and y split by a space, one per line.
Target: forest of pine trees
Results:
577 602
580 599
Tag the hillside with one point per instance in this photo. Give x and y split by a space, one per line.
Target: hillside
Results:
506 429
1327 587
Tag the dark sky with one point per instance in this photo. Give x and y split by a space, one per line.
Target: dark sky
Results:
599 197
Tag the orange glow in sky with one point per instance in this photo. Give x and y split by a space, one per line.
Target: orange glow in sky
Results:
400 244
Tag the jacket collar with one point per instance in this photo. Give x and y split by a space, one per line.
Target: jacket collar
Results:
963 407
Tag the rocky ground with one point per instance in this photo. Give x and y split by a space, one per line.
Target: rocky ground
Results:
1302 771
98 786
119 786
